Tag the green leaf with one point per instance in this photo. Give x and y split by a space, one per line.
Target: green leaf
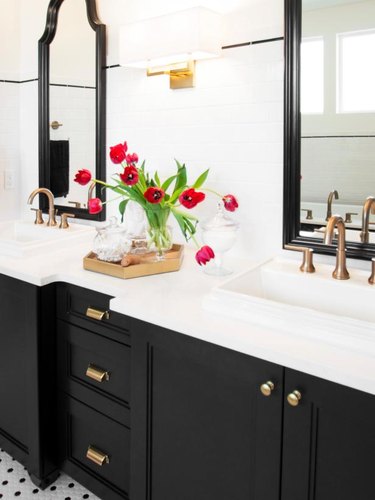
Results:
181 179
122 208
181 223
201 180
157 179
176 194
168 182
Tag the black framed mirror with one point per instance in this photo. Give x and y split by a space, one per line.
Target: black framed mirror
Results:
328 123
72 104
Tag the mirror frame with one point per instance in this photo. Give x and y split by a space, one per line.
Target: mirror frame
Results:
292 144
100 104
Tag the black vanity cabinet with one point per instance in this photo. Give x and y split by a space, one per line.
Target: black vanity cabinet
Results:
27 367
329 441
201 427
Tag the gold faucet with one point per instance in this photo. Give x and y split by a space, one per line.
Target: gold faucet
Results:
368 206
51 205
340 272
329 203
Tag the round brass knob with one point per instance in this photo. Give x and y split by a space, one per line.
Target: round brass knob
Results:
294 398
267 388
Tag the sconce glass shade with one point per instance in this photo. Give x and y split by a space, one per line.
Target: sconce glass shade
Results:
189 34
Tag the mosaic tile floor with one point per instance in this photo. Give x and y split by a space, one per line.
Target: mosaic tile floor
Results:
15 483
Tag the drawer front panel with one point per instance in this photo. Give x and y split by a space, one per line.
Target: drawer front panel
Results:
90 310
94 361
87 433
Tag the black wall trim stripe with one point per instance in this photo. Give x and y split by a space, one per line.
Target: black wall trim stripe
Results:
336 136
225 47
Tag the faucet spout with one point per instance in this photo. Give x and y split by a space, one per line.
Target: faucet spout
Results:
51 204
332 194
368 206
340 272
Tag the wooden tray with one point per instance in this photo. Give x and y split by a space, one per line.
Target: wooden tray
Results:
147 266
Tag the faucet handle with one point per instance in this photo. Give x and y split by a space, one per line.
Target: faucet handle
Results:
307 265
309 213
38 216
348 217
64 220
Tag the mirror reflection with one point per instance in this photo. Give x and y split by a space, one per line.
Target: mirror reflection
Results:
72 103
338 116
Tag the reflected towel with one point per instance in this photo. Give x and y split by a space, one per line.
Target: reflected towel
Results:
59 168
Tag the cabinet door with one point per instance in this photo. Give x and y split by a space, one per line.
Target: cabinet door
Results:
201 428
329 441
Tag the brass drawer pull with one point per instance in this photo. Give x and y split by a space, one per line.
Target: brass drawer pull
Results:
97 456
96 314
97 373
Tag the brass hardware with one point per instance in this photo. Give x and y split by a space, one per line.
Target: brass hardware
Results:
267 388
368 206
181 75
371 279
340 272
348 217
97 374
38 216
51 205
98 457
329 203
307 265
55 125
96 314
309 213
64 220
77 204
294 398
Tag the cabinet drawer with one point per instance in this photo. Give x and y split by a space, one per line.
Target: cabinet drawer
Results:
86 358
81 429
78 306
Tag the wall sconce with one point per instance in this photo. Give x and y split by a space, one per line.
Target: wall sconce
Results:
171 44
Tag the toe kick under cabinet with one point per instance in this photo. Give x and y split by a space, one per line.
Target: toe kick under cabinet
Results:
146 413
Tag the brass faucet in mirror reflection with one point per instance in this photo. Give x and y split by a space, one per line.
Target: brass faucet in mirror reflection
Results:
51 204
368 206
329 203
340 272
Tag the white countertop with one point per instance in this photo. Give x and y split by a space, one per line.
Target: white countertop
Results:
174 301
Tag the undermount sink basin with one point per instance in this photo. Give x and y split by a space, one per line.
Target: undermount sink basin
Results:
23 238
277 295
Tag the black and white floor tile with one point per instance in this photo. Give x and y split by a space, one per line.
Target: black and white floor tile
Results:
15 483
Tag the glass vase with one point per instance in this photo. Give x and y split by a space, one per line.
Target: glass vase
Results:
159 233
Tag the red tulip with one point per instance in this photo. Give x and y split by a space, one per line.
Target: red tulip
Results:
95 206
204 255
130 175
154 194
132 158
230 202
190 198
83 177
118 153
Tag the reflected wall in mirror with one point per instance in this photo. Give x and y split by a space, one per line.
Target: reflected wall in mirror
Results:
329 120
71 102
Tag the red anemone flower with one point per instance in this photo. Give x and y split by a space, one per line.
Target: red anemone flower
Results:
83 177
130 175
95 205
190 198
154 194
204 255
118 153
230 202
132 158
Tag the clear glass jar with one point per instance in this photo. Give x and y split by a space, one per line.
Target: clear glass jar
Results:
111 242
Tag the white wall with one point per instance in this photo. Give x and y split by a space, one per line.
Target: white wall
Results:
231 122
